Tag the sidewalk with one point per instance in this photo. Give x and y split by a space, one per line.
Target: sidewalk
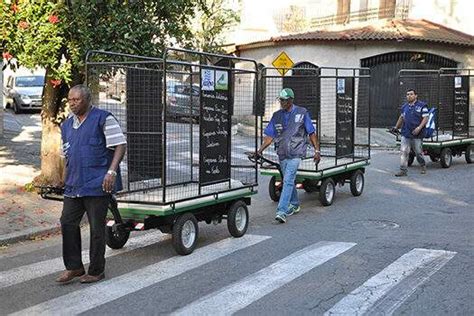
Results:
23 215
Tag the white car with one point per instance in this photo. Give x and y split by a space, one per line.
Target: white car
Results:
23 92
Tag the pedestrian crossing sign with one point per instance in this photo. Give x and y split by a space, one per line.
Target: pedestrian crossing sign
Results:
283 63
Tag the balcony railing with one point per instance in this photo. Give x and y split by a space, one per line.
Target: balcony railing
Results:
397 12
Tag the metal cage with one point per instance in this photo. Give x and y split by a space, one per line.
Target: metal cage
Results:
338 102
188 118
447 89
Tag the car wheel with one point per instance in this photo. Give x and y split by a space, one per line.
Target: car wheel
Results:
185 234
357 183
16 108
273 190
327 192
446 157
238 219
469 154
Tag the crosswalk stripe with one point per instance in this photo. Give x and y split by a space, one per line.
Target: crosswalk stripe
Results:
39 269
385 292
109 290
236 296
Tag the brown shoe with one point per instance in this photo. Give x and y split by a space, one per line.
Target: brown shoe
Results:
69 275
91 278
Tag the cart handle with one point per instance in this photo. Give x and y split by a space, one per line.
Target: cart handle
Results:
50 192
260 159
393 131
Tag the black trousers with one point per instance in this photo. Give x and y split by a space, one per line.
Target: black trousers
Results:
73 211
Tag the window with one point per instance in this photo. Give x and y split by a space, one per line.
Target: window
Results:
343 11
387 9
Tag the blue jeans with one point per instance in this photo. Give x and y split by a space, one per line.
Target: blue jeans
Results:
288 196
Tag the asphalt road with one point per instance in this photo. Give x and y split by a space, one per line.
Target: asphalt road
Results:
403 247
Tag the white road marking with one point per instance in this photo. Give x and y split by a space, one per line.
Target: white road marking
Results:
109 290
386 291
42 268
236 296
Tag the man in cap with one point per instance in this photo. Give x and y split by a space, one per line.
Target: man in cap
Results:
289 128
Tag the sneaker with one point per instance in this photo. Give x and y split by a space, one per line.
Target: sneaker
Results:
423 170
294 209
280 217
401 173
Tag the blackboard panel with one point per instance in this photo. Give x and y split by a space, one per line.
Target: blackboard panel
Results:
345 116
461 106
215 126
144 124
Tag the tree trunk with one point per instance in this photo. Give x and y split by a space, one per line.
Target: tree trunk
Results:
53 113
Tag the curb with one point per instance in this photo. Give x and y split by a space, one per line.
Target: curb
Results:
27 234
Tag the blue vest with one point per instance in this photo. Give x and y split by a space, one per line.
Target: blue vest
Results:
292 139
87 157
412 117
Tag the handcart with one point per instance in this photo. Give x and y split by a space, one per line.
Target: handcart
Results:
447 89
338 100
177 173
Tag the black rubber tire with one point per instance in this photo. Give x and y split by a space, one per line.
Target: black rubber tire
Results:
16 108
310 185
274 192
116 240
238 209
411 158
327 184
357 175
177 234
434 158
469 154
446 158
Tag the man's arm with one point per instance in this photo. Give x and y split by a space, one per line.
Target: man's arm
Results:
418 129
267 140
109 179
399 122
313 138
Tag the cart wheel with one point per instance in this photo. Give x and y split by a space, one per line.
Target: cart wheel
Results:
357 183
446 157
185 232
310 185
434 158
411 158
117 239
327 191
469 154
274 192
238 219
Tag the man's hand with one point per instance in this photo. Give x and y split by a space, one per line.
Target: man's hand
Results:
109 182
317 156
416 131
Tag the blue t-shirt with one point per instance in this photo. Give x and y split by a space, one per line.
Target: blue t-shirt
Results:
270 130
412 117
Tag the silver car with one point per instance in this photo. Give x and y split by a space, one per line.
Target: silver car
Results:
24 92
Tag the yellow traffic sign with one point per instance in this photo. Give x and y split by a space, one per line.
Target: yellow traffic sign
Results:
283 63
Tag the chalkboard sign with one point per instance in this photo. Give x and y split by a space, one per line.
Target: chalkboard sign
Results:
344 116
215 127
461 105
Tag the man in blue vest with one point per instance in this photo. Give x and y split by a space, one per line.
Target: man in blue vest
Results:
289 128
413 118
93 146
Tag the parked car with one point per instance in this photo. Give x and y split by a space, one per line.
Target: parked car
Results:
180 98
24 92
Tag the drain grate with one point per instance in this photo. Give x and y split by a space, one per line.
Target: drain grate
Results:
376 223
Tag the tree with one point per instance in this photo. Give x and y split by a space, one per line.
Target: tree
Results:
213 19
56 34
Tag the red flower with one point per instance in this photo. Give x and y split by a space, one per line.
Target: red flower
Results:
53 19
15 8
23 25
7 55
55 82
